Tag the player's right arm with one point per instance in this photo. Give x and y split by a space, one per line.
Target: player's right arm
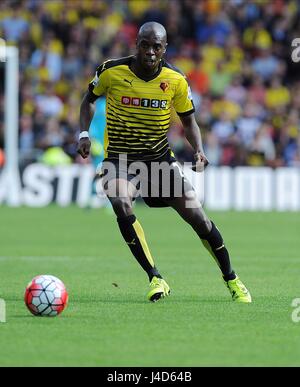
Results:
85 118
97 87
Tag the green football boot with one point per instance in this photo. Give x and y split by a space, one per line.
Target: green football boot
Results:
158 289
238 291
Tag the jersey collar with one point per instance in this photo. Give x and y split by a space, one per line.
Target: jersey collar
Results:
150 78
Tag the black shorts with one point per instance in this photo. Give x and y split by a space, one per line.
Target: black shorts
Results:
157 182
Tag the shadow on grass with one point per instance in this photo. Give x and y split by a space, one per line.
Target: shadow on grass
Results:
168 300
37 317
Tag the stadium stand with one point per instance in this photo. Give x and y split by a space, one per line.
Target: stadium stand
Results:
235 53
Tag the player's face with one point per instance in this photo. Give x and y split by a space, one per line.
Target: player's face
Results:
150 51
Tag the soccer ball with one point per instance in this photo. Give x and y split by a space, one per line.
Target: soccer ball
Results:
46 295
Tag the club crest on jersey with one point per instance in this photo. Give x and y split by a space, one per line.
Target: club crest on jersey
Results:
164 85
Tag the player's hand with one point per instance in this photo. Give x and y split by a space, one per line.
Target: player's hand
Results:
84 146
201 162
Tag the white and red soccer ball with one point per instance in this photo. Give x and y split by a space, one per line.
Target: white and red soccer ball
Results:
46 295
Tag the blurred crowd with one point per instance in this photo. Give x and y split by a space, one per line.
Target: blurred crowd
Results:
235 53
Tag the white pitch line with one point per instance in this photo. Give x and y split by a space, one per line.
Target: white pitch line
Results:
3 258
50 257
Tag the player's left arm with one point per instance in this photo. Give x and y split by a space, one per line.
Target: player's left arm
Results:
183 104
193 135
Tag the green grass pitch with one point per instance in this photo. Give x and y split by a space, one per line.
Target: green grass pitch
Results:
109 321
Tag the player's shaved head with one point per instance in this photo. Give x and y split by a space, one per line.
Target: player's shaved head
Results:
152 29
151 45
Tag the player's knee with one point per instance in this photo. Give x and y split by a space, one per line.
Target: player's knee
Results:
205 226
201 224
122 207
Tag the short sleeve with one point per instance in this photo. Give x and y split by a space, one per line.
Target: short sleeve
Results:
100 83
182 100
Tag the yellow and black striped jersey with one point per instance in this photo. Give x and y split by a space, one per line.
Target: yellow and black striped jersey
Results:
137 110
